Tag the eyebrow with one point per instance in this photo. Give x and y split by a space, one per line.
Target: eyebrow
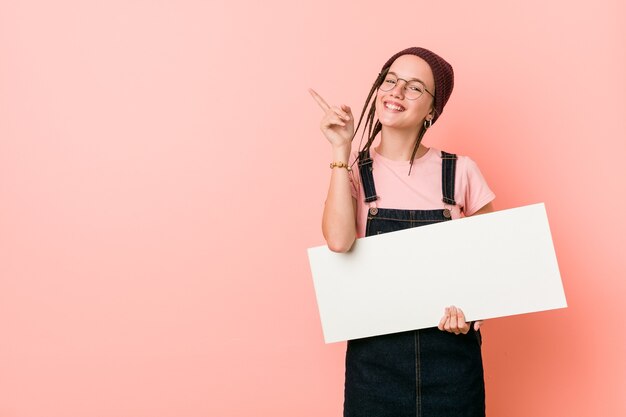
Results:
410 79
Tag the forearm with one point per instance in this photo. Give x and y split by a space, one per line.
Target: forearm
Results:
339 219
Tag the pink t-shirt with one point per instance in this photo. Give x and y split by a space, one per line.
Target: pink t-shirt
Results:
421 190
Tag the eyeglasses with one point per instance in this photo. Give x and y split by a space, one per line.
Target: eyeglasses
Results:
412 90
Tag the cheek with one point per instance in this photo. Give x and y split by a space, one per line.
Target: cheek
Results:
421 109
378 99
379 104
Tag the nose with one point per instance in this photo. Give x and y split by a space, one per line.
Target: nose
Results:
398 89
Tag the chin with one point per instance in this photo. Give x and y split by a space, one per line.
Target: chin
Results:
397 124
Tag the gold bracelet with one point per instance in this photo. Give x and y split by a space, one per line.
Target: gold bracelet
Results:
340 165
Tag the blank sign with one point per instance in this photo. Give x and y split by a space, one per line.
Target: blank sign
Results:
491 265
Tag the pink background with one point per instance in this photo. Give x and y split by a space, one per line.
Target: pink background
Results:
162 174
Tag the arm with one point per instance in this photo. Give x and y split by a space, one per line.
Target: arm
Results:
339 218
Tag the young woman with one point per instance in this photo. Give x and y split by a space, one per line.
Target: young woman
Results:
399 184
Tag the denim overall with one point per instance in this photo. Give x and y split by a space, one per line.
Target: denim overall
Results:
421 373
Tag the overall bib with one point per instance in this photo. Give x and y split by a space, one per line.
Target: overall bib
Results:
421 373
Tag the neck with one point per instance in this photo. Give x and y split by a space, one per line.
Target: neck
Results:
398 144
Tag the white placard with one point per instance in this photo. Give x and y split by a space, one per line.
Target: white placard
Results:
492 265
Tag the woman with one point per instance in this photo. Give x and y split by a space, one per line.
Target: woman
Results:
400 184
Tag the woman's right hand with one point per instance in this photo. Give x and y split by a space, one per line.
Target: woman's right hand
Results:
453 321
337 124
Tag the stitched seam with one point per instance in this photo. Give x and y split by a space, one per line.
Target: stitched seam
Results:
444 180
448 170
452 179
368 180
401 220
418 402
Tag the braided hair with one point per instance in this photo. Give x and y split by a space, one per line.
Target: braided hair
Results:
373 128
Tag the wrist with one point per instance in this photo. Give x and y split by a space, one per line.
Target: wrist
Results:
340 165
341 153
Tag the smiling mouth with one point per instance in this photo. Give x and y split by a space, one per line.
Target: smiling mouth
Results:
393 106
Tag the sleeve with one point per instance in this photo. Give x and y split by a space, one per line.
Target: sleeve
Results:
476 192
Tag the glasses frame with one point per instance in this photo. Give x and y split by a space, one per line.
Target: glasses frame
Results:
406 82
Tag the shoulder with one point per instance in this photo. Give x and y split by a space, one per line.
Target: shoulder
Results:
468 166
464 163
473 189
442 152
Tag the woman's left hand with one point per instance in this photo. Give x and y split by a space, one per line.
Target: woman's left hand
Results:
453 321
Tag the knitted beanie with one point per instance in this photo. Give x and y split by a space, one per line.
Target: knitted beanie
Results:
442 73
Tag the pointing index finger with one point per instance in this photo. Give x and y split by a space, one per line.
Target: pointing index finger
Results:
319 100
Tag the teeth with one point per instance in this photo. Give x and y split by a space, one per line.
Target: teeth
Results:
394 107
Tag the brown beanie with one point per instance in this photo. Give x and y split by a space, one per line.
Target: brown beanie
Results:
442 72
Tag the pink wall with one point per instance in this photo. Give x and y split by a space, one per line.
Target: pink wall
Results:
162 173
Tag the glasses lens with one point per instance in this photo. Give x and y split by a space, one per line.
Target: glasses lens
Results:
389 83
412 90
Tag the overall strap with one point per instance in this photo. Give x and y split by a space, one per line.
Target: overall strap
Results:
448 171
367 179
